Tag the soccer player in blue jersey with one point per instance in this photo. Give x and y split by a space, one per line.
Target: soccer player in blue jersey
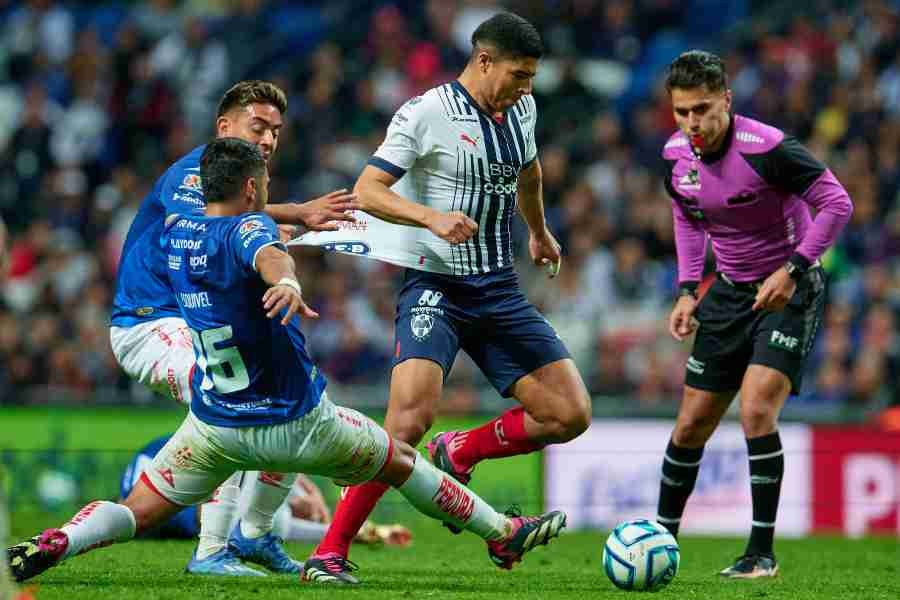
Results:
455 164
257 400
152 344
747 188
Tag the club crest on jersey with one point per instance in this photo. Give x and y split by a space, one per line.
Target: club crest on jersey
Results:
421 325
193 182
690 180
248 226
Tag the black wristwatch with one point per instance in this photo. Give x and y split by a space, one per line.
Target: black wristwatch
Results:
687 288
796 266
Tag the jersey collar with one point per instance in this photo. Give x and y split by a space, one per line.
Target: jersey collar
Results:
462 90
726 145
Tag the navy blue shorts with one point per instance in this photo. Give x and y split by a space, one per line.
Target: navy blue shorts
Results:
488 316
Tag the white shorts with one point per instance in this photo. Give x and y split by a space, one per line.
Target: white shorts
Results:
157 353
330 440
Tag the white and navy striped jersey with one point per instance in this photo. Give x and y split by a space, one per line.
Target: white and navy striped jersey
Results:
452 156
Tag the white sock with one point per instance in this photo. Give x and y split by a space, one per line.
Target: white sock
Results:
267 493
291 528
217 516
98 524
439 496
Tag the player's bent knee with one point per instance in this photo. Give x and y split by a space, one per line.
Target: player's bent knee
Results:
582 419
694 431
572 425
574 419
410 426
758 420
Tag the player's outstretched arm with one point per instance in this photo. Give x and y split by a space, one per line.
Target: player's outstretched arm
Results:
276 268
377 198
320 214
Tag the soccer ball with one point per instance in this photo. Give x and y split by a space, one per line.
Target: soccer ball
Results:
56 489
641 555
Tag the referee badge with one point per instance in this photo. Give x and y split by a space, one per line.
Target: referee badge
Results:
690 180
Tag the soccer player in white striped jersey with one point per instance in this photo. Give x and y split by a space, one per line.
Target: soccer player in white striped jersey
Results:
455 164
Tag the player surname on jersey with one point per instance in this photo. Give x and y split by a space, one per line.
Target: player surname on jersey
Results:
195 300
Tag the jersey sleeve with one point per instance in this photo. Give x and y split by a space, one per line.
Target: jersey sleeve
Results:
182 192
690 237
789 166
531 143
792 167
254 232
405 141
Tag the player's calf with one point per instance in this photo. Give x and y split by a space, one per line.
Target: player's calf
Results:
440 450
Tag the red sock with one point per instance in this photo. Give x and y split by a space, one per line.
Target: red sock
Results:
503 436
349 515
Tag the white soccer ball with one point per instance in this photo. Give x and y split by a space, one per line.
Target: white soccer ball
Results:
641 555
56 489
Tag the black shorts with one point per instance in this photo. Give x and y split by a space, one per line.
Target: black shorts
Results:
732 336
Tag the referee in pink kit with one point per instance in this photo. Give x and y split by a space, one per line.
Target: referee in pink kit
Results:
748 188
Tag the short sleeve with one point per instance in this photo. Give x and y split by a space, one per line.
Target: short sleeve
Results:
253 232
530 143
405 139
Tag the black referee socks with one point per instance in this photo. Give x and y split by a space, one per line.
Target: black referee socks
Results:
679 474
766 472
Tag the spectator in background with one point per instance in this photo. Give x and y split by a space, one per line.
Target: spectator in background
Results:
346 74
192 59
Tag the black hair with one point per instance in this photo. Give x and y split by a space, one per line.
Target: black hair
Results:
225 166
511 35
696 68
245 93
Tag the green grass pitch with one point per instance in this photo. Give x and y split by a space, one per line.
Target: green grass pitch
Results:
438 565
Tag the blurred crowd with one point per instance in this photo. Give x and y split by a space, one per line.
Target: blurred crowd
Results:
98 99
